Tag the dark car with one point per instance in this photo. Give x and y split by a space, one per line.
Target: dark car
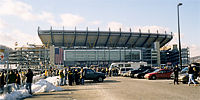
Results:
141 69
141 74
92 75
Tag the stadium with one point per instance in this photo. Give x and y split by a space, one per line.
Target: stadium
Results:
88 47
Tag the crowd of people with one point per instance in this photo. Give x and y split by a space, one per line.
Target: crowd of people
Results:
75 76
72 75
14 79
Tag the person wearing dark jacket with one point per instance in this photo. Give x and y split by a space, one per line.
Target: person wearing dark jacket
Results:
12 79
70 76
61 74
82 76
18 80
2 81
176 70
77 77
29 80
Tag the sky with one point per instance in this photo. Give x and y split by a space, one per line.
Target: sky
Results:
19 19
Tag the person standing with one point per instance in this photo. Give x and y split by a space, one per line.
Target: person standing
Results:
82 76
65 74
61 77
70 77
46 73
77 77
176 70
29 80
23 78
107 70
2 81
18 79
11 81
191 75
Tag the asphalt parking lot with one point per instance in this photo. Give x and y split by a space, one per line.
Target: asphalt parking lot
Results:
124 88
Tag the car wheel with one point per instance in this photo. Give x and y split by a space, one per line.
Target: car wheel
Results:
184 82
142 76
132 76
100 79
153 77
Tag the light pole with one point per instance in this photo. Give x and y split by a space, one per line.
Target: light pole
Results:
180 58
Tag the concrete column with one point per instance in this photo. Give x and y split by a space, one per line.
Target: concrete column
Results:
52 55
157 48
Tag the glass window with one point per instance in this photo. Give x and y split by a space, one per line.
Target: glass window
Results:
102 55
157 70
127 69
127 65
90 71
123 69
114 55
120 65
162 71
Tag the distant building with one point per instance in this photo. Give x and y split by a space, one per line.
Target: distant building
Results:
185 54
35 56
195 59
170 56
5 52
85 48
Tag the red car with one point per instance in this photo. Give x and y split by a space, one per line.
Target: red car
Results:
159 73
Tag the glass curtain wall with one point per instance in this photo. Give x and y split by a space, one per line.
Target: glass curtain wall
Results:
102 55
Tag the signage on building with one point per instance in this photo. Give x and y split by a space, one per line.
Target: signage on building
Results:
2 54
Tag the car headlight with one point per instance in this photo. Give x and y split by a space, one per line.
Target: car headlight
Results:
136 75
181 77
146 75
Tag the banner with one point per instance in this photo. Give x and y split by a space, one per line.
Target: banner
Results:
1 54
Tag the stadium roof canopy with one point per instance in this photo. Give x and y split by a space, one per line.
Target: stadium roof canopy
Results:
72 38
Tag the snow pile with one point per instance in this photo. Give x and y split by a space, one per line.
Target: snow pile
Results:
53 80
43 85
36 78
22 93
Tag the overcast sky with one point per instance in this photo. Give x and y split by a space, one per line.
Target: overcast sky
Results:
19 19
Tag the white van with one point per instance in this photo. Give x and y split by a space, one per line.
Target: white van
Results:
123 67
134 65
124 70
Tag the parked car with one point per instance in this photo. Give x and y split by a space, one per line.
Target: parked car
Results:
141 69
159 73
141 74
95 76
184 77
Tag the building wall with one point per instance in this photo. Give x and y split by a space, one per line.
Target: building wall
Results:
106 56
100 56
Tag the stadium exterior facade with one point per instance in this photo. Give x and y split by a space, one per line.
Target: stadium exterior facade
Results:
85 47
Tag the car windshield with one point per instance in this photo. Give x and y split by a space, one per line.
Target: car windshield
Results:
157 70
184 70
146 70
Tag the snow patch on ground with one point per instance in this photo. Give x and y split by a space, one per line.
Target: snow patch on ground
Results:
43 85
22 93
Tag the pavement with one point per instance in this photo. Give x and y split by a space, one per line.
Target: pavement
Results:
124 88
